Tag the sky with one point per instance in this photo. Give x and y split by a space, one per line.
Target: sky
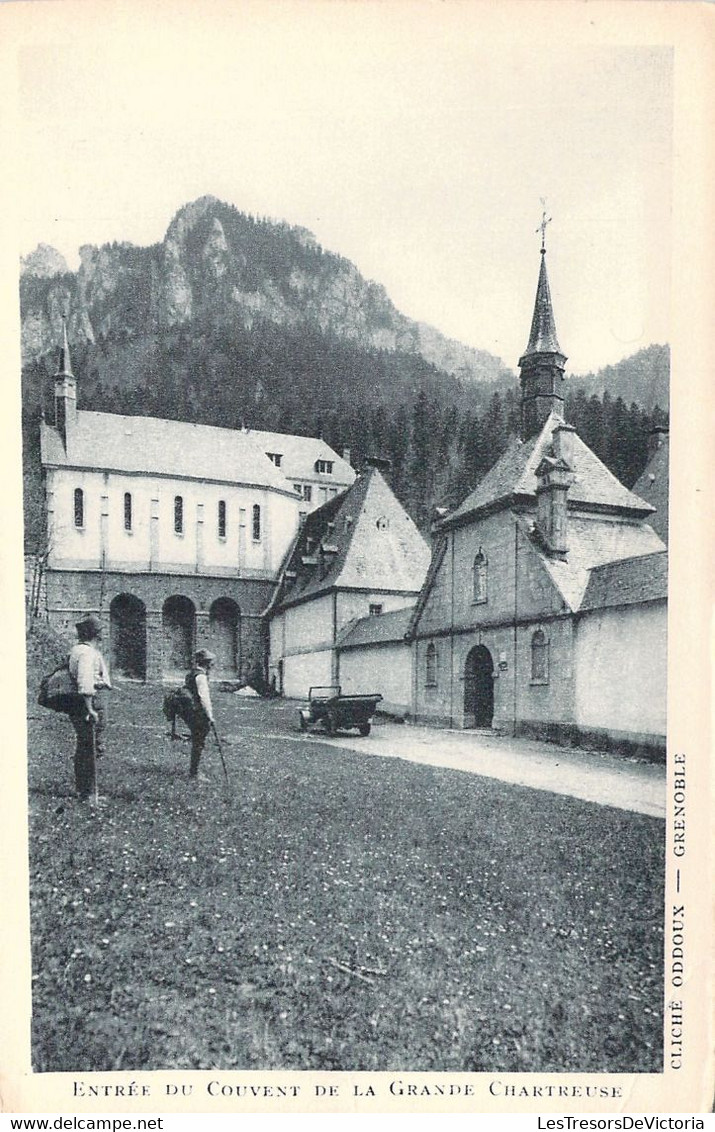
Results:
415 139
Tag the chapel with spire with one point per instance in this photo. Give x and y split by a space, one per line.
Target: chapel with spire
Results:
171 533
544 607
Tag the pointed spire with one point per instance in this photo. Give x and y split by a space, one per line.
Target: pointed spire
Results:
542 339
64 368
65 389
542 363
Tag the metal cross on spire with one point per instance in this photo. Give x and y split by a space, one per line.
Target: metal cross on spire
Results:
542 227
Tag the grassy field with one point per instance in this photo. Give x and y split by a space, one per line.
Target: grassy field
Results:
335 911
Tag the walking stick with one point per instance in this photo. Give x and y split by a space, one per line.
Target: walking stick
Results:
93 733
220 751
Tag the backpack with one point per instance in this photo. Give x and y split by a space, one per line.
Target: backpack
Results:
179 702
58 691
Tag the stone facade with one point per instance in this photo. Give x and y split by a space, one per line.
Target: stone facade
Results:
224 615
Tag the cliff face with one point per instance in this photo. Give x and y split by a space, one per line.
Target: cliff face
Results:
217 269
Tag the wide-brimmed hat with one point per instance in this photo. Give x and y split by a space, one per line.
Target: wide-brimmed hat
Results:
203 656
90 626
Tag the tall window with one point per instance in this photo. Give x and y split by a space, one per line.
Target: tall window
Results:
178 514
256 523
307 492
539 658
479 582
431 666
127 511
222 518
78 507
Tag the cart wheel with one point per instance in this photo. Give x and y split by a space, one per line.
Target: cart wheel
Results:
303 724
330 724
364 728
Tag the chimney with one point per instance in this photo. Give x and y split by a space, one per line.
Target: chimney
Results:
562 439
346 455
554 478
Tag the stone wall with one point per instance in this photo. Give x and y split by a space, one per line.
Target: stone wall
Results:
71 594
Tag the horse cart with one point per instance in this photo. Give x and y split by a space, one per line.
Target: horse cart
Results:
336 712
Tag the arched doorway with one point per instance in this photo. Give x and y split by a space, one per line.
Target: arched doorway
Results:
178 620
225 634
127 637
479 688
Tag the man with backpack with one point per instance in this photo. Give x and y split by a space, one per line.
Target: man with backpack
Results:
89 711
192 704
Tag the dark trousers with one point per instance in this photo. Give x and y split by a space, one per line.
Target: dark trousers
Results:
90 744
200 728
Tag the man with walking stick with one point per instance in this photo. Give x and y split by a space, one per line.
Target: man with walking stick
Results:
202 716
89 716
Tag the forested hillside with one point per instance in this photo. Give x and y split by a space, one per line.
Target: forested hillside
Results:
234 321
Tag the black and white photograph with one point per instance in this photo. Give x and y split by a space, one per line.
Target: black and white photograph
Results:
343 366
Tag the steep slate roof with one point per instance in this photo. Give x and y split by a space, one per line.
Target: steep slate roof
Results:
159 447
364 555
628 582
513 476
653 487
438 552
380 630
300 454
592 543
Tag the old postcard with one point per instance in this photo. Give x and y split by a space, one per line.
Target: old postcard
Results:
357 569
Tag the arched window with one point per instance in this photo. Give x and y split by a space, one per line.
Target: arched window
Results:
127 511
479 580
78 507
178 514
222 518
256 523
431 666
539 658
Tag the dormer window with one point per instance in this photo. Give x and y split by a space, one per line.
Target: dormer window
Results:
324 466
275 457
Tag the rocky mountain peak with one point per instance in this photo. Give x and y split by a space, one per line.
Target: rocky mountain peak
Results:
44 262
